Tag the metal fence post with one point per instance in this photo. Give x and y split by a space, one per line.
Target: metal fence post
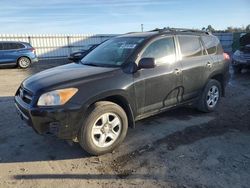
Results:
69 48
29 39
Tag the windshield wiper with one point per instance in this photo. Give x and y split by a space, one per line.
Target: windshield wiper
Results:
99 64
90 64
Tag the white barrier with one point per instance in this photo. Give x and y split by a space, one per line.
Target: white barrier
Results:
226 40
56 46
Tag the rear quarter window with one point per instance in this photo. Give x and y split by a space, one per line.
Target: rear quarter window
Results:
19 46
212 44
219 49
190 46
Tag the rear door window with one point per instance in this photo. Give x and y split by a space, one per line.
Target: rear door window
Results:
190 46
162 50
10 46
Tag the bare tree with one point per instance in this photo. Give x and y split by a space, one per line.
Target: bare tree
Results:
248 28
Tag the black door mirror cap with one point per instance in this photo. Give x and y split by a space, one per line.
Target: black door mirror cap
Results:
75 59
146 63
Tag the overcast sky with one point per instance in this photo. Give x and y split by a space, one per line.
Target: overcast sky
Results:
114 16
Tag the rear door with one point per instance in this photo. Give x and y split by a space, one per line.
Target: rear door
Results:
214 53
158 88
195 62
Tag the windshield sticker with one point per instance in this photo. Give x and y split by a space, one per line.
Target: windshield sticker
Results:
128 46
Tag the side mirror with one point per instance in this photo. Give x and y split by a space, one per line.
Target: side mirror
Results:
76 58
146 63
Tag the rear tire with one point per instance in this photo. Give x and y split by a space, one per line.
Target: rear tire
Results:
23 62
104 129
210 96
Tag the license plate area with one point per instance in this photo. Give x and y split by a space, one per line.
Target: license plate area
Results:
21 114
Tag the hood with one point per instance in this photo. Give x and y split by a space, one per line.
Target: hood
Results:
64 75
245 40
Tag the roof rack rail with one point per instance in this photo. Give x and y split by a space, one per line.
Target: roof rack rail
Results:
169 29
131 32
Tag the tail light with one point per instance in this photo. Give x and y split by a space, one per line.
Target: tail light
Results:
33 50
226 56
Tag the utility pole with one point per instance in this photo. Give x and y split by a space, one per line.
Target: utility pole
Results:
141 27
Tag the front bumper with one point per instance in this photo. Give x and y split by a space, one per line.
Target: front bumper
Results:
62 122
243 63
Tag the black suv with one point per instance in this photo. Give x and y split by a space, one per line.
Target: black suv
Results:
123 80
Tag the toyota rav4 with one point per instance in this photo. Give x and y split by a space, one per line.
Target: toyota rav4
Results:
123 80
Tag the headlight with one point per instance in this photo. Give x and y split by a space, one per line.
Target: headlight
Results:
57 97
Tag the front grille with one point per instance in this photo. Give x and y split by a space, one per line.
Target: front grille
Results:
25 95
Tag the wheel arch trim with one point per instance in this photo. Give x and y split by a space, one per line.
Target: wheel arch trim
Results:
118 97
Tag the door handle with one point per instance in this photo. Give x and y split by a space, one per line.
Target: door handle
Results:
209 65
177 71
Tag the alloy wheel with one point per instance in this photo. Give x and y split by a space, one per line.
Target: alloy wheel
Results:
106 129
212 96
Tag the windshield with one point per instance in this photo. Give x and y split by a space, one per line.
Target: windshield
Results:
113 52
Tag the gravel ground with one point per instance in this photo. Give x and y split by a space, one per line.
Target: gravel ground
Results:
181 148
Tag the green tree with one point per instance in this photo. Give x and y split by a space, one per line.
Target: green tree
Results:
210 28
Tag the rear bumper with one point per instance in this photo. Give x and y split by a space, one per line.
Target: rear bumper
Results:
62 122
34 60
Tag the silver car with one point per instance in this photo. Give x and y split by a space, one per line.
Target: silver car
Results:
241 57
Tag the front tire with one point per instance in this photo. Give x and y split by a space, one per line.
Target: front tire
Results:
23 62
104 129
210 96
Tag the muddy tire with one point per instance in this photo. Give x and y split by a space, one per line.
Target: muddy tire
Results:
104 129
210 96
23 62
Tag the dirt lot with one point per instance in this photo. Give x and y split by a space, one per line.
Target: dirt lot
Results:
181 148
